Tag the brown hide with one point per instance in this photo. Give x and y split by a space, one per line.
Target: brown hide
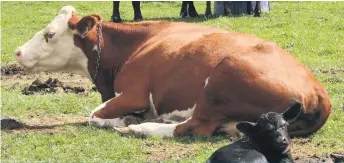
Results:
171 61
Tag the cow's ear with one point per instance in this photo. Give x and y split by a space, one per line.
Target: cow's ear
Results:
245 127
292 112
73 20
87 23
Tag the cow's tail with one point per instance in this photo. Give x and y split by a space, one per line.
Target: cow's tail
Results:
308 123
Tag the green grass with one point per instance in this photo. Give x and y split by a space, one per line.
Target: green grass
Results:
312 31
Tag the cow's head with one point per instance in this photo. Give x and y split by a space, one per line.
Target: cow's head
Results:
53 49
270 132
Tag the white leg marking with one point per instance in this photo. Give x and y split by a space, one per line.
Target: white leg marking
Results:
176 113
206 82
117 94
93 120
155 129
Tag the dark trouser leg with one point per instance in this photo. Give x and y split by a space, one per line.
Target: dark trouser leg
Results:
115 12
257 10
137 11
208 10
184 11
192 10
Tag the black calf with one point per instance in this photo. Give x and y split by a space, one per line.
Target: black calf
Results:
266 141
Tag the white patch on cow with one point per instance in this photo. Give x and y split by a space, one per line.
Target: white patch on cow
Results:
117 94
206 82
58 53
95 48
152 106
176 113
115 122
155 129
151 102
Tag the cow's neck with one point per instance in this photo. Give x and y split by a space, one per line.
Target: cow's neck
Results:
120 42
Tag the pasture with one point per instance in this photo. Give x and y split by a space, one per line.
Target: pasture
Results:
55 123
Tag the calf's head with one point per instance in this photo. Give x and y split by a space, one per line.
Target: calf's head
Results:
270 132
53 48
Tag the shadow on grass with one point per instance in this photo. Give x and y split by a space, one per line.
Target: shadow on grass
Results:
35 127
47 128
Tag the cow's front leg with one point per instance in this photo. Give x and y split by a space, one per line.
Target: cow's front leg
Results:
149 129
190 127
112 112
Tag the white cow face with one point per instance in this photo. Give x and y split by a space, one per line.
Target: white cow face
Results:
52 49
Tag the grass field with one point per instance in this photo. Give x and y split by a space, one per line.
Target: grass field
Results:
311 31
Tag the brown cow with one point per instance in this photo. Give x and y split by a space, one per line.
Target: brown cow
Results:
211 77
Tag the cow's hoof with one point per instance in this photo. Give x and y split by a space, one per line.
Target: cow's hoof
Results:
9 124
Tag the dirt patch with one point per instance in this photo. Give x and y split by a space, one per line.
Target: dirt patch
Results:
161 152
18 77
49 86
335 80
331 158
48 124
329 71
11 70
304 151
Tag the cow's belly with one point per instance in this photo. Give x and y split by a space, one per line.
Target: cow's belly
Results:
178 90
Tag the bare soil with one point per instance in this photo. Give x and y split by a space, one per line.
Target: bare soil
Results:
48 124
331 158
335 80
14 76
330 71
49 86
11 70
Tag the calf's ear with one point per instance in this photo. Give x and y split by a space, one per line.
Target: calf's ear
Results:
87 23
246 127
292 112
